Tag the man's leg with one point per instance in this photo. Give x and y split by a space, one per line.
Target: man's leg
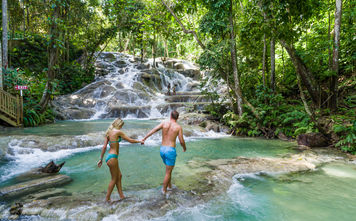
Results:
167 178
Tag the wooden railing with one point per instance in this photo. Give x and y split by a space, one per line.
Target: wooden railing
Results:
11 109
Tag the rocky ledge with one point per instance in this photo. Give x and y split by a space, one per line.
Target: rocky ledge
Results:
28 187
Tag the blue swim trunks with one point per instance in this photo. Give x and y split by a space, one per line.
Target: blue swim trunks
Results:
168 155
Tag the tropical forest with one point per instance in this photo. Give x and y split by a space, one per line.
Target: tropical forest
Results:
178 110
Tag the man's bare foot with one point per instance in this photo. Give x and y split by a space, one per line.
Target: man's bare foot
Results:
122 197
108 201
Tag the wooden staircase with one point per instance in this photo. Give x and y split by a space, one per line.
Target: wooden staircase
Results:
11 109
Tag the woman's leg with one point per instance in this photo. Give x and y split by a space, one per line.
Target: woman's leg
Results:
113 165
118 184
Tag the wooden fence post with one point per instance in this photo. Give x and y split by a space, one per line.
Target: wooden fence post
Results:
18 109
21 108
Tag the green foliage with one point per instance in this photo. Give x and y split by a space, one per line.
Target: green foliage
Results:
347 134
276 116
31 109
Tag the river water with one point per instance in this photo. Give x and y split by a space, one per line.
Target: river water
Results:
326 193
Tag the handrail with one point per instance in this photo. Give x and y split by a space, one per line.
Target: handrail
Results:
11 106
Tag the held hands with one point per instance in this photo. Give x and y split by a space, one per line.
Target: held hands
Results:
142 141
100 163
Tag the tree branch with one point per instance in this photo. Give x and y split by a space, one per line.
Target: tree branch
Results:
183 27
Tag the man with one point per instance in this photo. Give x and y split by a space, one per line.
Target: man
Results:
170 130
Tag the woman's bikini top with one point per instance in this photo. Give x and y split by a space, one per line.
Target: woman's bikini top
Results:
115 141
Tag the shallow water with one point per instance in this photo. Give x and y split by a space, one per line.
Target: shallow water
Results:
303 196
329 193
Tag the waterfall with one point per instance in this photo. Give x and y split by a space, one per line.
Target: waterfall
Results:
126 88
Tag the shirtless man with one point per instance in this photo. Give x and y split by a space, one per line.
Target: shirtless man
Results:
170 130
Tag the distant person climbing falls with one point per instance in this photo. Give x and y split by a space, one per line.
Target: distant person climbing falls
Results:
113 136
170 131
169 89
174 90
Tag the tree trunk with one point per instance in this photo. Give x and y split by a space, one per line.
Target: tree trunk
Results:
336 46
4 34
273 65
264 61
154 51
28 16
52 59
24 16
234 63
302 70
1 74
166 45
283 61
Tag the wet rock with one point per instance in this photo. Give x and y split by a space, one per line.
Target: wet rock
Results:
143 66
282 136
124 111
110 57
194 119
52 192
151 80
192 73
107 90
211 125
186 98
78 113
120 64
33 186
16 209
179 66
51 167
312 140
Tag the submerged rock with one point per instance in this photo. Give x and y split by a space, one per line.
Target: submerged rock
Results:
16 209
312 140
33 186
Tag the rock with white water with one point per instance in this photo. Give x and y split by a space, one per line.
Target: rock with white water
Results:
16 209
123 85
34 186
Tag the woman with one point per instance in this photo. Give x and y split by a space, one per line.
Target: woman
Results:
113 137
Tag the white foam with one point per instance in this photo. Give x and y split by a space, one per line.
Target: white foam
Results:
24 159
339 172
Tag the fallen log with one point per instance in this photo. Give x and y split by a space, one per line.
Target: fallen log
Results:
51 167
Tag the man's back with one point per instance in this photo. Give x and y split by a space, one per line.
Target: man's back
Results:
170 131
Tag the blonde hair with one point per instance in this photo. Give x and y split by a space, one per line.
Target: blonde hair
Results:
117 124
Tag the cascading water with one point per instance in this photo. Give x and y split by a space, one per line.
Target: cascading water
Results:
129 89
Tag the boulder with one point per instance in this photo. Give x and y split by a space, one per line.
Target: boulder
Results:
123 111
169 64
33 186
282 136
120 64
212 125
16 209
179 66
143 66
78 113
108 56
312 140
